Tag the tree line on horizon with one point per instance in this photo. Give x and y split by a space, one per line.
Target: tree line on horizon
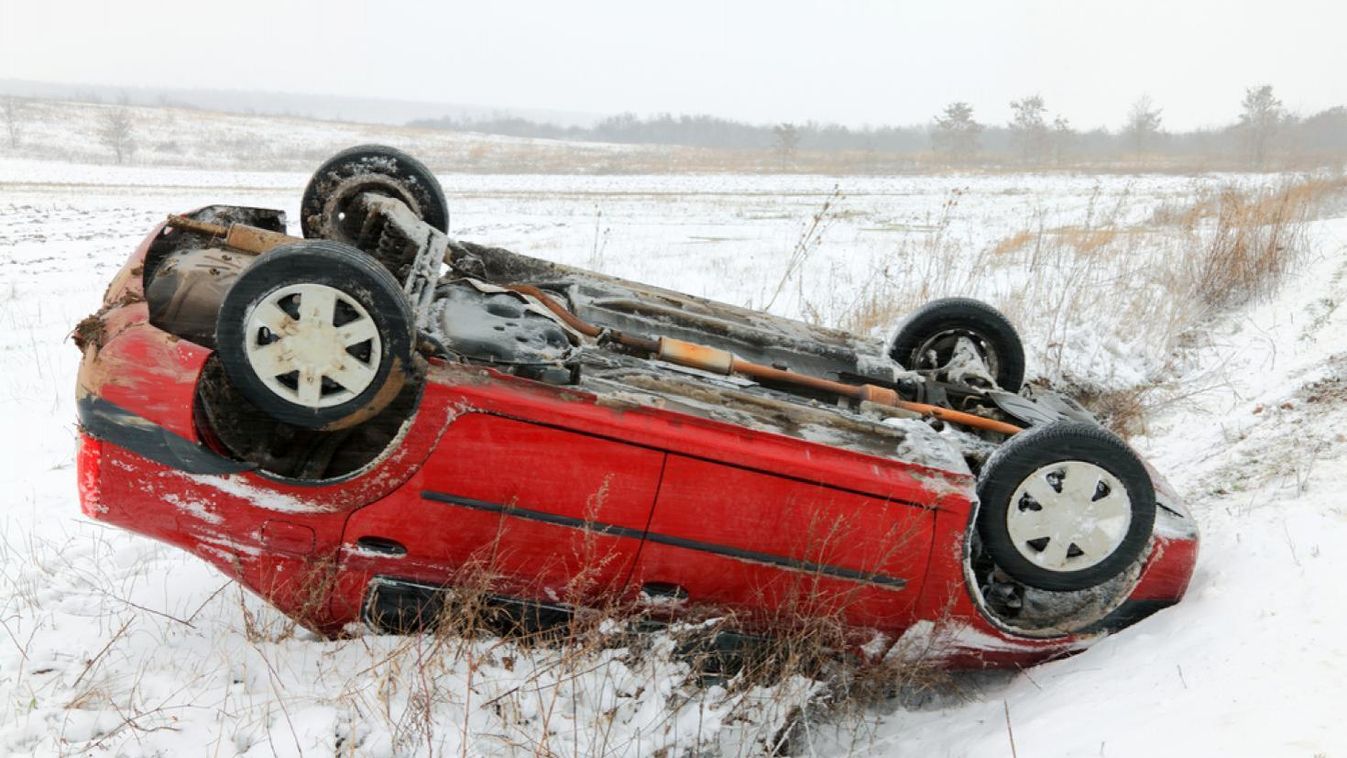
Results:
1265 135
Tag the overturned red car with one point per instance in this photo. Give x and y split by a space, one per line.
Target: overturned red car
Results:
355 423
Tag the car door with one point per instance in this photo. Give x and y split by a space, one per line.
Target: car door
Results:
773 546
523 510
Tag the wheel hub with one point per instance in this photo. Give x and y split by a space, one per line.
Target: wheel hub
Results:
312 344
1069 516
940 349
339 216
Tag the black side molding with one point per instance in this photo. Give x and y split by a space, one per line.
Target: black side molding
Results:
786 562
112 423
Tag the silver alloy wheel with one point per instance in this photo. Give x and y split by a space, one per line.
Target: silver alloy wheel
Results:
294 356
1069 516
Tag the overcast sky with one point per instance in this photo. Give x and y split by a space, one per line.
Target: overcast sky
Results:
783 60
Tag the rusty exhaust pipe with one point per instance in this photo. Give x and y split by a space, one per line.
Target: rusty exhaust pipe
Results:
717 361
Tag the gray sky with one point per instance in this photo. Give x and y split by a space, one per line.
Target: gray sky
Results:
851 62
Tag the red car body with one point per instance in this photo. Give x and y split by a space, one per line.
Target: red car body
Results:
565 501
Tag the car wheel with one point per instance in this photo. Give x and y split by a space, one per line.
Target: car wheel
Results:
317 334
328 198
1066 506
928 338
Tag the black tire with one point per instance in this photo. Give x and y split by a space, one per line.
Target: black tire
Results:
356 282
934 326
368 168
1029 460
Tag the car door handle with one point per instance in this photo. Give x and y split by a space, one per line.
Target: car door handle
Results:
659 593
381 545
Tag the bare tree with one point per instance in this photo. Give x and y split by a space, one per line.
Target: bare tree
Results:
1143 125
956 134
787 140
12 113
1258 123
1029 127
117 132
1063 139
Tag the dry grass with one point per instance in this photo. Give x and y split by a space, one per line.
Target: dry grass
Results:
746 682
914 274
1109 291
1106 305
1014 243
1124 411
811 236
761 689
1253 239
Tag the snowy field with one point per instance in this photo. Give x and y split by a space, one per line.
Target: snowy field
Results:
70 132
113 644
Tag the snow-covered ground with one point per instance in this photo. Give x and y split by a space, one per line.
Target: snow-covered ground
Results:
113 643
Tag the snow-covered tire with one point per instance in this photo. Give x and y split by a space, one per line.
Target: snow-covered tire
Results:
1066 506
368 168
316 334
926 339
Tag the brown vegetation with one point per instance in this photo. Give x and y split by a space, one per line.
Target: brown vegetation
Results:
1151 281
1253 239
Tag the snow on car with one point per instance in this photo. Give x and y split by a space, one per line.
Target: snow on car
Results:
356 422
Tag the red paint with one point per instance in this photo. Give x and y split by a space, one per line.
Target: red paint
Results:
288 537
499 460
757 512
89 475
